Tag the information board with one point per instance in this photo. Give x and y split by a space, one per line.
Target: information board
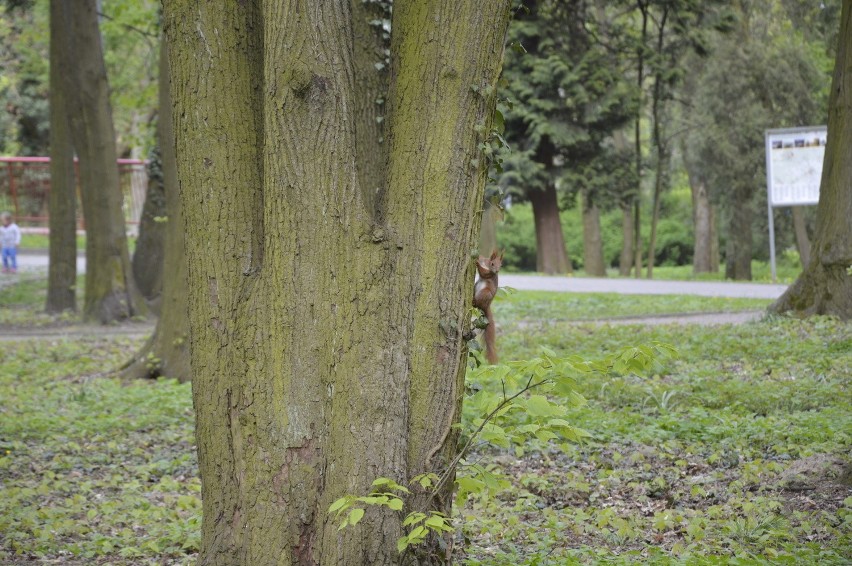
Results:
794 165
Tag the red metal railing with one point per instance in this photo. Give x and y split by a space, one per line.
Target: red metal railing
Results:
25 185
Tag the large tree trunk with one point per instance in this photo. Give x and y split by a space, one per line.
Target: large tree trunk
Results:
110 292
803 243
551 256
62 201
147 261
738 253
167 350
593 259
703 220
625 260
825 286
327 332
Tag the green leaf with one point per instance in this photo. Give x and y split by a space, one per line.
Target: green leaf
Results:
355 516
339 504
413 518
401 544
540 406
395 504
499 123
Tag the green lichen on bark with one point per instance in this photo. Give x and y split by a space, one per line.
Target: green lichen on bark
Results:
318 356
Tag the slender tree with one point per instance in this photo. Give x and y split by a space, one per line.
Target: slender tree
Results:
62 201
110 292
825 286
326 325
167 350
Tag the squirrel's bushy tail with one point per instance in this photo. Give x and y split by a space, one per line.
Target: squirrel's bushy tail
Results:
490 338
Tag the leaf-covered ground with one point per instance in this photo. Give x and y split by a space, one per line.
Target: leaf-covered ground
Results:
733 453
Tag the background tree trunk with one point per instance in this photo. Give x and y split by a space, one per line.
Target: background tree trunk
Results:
738 253
147 261
62 202
110 292
488 231
714 240
825 286
593 259
167 351
703 220
551 256
660 184
803 244
625 260
327 344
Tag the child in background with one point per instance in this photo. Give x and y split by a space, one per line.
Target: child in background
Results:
10 238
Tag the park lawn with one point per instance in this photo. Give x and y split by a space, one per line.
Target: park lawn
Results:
42 242
738 449
551 306
685 465
787 270
22 303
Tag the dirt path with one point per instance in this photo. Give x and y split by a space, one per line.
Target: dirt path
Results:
75 331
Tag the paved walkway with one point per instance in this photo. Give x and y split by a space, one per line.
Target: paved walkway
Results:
34 261
642 286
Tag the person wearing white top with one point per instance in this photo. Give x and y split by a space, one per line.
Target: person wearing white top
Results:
10 239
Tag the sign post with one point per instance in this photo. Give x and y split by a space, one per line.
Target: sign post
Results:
793 171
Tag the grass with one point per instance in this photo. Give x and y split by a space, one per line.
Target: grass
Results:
42 242
787 270
22 302
91 467
686 465
552 306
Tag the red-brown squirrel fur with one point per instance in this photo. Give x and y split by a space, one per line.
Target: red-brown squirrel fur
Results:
483 293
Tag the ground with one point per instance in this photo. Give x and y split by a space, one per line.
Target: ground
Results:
737 451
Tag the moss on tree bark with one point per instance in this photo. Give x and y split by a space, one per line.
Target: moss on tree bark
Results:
325 319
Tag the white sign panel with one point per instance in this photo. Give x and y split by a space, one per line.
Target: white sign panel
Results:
794 165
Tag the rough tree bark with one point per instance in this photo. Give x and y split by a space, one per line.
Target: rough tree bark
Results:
167 350
327 345
803 243
593 259
110 292
825 286
62 201
551 255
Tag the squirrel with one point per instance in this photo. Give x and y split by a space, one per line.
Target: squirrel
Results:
483 293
